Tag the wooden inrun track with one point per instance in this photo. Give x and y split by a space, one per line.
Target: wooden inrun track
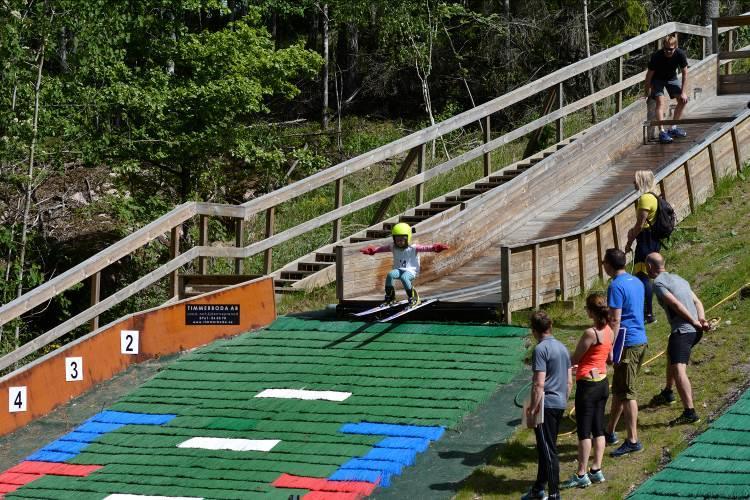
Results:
541 237
518 234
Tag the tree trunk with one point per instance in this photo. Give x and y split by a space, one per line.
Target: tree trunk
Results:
710 9
352 56
588 54
62 50
324 78
30 182
508 55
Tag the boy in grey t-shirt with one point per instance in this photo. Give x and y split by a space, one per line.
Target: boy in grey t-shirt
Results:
552 381
687 322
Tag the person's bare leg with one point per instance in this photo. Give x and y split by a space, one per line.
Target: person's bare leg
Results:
684 388
661 108
679 109
584 450
615 411
630 409
669 377
599 445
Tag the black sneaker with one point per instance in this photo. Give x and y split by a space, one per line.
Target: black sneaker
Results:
665 397
685 418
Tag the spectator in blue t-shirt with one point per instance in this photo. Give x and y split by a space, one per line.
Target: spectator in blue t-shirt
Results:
625 300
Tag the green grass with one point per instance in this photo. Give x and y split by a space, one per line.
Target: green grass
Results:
709 250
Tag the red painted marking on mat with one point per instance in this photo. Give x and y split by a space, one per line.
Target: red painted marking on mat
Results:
330 495
54 468
17 478
321 484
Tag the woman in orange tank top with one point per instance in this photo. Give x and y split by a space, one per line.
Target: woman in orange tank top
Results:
590 358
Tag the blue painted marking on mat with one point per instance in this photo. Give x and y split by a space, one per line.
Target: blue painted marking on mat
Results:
417 444
80 437
97 428
385 466
405 457
73 443
393 430
127 418
50 456
65 446
370 476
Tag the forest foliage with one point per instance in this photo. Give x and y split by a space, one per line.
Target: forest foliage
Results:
151 102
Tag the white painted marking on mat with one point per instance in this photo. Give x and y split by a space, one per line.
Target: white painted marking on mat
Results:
303 394
122 496
208 443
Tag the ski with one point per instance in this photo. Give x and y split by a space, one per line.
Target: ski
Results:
381 307
408 310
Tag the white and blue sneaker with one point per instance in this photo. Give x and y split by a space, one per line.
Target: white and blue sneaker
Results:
596 477
577 482
665 138
677 132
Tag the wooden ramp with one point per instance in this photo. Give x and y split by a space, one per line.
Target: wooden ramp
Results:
573 191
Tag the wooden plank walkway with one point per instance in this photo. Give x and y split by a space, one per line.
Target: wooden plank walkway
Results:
576 205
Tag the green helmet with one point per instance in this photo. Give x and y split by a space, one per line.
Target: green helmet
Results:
402 229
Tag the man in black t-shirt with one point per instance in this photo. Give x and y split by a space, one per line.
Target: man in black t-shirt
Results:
661 75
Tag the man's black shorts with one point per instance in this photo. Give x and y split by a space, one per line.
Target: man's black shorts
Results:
679 347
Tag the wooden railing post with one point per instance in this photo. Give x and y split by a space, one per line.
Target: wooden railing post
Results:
203 241
505 255
599 252
174 251
581 264
338 201
618 102
736 148
239 242
560 105
730 47
712 163
563 269
419 188
96 291
535 276
268 259
487 138
339 252
615 232
689 183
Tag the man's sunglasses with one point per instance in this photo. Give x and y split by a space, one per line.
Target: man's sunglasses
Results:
669 50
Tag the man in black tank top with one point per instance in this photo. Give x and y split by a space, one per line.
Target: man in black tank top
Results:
662 75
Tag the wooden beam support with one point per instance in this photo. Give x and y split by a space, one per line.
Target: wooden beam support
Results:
338 201
739 54
736 148
581 264
615 232
174 252
505 262
712 162
599 252
270 222
421 162
487 138
96 294
400 176
239 242
563 268
535 276
689 183
203 241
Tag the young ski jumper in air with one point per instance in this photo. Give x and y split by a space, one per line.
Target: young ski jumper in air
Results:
405 261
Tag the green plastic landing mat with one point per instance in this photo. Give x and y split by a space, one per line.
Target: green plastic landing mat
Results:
716 465
390 390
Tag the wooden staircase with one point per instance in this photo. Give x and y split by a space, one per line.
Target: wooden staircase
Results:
317 269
